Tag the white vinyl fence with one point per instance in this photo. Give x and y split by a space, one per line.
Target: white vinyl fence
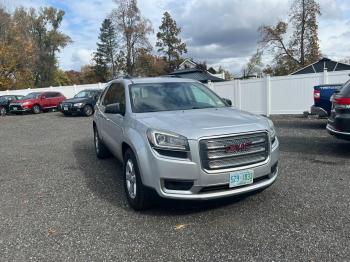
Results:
277 95
67 91
269 95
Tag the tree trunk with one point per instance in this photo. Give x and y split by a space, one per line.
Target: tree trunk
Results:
302 51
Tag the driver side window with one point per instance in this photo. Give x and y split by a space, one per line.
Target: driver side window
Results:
115 94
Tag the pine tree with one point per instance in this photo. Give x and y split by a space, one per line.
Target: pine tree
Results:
105 55
169 42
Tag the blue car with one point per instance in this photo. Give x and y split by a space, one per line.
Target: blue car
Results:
322 99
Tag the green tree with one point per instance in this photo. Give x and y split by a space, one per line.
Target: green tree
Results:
48 41
149 65
133 29
302 48
107 48
169 43
29 43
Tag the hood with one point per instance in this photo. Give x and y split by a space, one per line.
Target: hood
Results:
198 123
76 100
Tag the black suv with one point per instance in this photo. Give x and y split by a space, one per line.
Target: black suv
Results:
82 103
339 120
5 102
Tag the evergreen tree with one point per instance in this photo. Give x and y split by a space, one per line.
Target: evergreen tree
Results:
105 55
169 42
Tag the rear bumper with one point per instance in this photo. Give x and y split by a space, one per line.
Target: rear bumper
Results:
315 110
340 134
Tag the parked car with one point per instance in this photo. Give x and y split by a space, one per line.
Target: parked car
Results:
339 120
322 102
82 103
37 102
179 138
5 102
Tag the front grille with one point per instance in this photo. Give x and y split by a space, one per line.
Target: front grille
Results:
69 105
17 106
234 151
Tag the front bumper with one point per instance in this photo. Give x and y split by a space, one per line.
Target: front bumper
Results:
71 109
156 170
18 109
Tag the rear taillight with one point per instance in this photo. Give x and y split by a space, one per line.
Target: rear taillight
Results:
317 94
342 102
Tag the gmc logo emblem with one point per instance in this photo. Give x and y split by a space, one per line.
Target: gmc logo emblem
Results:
238 147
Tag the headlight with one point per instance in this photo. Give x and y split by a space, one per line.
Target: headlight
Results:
25 104
167 140
272 131
78 104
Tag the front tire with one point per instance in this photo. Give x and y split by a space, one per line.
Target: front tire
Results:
138 196
88 110
100 149
36 109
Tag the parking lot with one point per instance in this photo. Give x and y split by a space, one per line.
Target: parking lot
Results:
58 202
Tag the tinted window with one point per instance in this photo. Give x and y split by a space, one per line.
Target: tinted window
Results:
115 94
345 90
48 95
32 95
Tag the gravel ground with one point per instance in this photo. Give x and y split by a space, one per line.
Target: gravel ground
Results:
58 202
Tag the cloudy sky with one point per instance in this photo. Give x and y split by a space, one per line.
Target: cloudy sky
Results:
221 32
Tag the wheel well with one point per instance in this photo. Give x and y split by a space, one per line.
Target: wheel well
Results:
125 147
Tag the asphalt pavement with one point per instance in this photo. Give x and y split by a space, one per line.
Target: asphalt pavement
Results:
59 203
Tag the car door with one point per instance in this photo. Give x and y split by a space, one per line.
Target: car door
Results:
45 100
112 124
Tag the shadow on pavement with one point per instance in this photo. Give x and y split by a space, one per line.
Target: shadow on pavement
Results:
321 146
302 124
105 179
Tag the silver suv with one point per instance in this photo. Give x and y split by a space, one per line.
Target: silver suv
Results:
179 138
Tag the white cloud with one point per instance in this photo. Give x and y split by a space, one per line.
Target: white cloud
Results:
220 32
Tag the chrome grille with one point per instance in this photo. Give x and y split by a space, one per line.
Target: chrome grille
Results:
234 151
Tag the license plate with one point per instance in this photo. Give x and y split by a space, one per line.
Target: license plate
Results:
65 108
15 108
241 178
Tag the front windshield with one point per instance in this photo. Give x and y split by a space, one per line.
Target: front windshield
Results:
31 96
84 94
172 96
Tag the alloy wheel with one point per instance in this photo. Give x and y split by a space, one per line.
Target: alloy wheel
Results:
130 179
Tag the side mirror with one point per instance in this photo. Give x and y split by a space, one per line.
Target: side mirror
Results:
228 101
113 109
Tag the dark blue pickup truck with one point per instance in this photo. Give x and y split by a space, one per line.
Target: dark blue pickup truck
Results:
322 99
